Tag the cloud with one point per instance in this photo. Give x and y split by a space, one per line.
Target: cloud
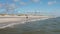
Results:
35 0
12 6
16 0
0 5
51 2
23 3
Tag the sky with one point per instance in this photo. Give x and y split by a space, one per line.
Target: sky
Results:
42 7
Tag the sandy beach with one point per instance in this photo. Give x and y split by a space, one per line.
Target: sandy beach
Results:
6 21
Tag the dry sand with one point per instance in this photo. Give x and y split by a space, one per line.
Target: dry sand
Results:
18 18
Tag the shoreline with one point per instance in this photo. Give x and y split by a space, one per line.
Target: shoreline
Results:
12 25
22 21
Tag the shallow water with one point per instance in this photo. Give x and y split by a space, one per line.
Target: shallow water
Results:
48 26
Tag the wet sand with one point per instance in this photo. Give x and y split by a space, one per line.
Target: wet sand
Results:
10 20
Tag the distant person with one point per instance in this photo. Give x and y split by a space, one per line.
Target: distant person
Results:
27 19
26 16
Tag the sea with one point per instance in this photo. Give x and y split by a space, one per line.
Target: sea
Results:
47 26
